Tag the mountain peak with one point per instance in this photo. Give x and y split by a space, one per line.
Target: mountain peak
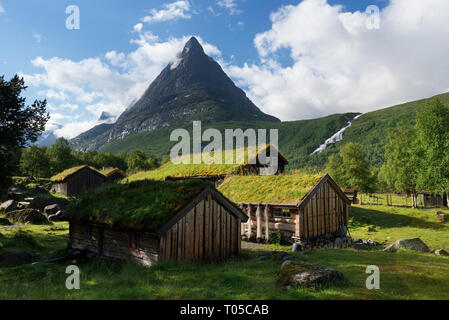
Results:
192 46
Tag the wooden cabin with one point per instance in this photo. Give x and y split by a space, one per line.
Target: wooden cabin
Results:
158 221
217 173
113 174
74 181
432 200
351 194
299 206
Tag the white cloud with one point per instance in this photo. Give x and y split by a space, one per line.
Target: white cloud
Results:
1 8
110 84
170 11
138 27
38 37
230 5
337 65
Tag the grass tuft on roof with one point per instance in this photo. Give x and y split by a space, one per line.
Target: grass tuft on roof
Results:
141 205
288 188
60 177
110 171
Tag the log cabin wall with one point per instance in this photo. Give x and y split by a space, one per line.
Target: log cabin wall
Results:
280 219
138 247
207 232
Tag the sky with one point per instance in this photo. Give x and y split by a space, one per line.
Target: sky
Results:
294 59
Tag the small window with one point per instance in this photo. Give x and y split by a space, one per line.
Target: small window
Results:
281 213
133 241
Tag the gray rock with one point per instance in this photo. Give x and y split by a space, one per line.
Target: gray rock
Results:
9 206
415 244
58 216
442 217
297 247
338 243
441 252
304 274
23 205
4 222
28 216
52 209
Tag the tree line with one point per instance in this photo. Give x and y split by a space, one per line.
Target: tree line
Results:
416 157
45 162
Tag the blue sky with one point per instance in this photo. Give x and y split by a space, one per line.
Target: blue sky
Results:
297 41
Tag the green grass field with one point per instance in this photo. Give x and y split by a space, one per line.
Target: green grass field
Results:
404 275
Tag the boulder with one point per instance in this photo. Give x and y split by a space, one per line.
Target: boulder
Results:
16 258
28 216
9 206
441 252
23 205
52 209
415 244
39 203
307 275
4 222
58 216
297 247
442 217
338 243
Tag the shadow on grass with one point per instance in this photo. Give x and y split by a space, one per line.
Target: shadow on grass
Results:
362 217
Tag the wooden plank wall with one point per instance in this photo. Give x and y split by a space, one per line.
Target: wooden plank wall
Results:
208 232
325 212
83 180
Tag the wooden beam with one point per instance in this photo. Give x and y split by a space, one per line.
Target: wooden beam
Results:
249 222
267 224
259 223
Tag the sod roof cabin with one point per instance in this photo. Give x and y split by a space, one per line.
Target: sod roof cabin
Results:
351 194
215 173
75 180
151 221
298 205
113 174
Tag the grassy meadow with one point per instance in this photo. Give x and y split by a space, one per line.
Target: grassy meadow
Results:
404 275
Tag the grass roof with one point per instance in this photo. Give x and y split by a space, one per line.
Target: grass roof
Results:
289 188
193 170
110 171
62 176
141 205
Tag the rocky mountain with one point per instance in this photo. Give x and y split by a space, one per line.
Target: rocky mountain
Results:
192 87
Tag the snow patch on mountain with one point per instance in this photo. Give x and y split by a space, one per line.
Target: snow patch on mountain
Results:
335 138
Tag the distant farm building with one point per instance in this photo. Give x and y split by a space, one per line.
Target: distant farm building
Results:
299 206
432 200
74 181
215 173
113 174
158 221
351 194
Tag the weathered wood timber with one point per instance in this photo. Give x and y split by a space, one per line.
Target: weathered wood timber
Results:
205 228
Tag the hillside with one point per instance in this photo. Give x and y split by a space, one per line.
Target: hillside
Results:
370 130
